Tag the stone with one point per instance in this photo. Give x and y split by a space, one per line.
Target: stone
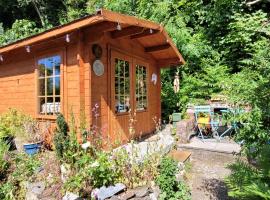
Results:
65 172
107 192
141 191
156 192
71 196
36 188
115 198
127 195
152 196
31 196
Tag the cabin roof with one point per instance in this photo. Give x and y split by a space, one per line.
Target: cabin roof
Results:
150 35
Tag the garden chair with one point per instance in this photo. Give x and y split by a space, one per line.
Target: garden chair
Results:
208 126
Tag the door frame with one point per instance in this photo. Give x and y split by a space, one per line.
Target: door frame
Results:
134 59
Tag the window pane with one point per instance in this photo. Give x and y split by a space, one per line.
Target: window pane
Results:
42 87
57 62
141 88
57 105
122 86
41 70
49 66
42 105
49 86
49 106
57 86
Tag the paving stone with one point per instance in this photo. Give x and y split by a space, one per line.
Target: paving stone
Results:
71 196
36 188
141 191
107 192
127 195
115 198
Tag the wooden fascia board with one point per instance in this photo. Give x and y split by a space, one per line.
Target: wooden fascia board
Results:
126 19
52 33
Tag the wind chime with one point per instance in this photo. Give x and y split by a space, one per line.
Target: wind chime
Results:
176 83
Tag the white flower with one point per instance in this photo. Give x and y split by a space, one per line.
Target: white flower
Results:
86 145
94 164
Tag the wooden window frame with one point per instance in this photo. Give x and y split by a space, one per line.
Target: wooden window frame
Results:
44 55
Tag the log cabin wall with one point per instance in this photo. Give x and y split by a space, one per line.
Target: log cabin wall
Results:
81 89
101 89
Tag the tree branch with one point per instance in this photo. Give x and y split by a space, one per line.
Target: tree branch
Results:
255 2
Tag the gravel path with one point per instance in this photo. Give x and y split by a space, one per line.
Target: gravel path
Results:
207 174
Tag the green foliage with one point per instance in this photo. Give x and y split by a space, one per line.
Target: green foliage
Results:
12 123
102 172
249 182
166 180
19 30
4 164
61 136
22 168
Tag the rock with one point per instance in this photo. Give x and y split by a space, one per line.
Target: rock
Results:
36 188
31 196
141 191
128 195
156 192
107 192
114 198
65 171
152 196
71 196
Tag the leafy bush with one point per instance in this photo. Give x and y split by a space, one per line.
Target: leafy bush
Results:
22 168
250 182
12 123
3 161
166 180
61 136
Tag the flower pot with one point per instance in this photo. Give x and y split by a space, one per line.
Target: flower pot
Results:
32 148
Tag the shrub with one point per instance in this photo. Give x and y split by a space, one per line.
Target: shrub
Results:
12 123
250 182
61 136
166 180
22 168
3 161
101 171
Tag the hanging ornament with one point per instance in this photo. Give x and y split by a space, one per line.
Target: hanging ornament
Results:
176 84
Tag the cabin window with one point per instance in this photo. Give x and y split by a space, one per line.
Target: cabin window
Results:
141 88
122 86
49 85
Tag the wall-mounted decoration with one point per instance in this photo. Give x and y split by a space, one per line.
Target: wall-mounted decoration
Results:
176 83
98 68
97 51
154 78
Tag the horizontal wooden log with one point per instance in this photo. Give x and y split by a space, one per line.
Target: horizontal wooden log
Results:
157 48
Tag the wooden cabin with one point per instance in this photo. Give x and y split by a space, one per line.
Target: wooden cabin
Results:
102 68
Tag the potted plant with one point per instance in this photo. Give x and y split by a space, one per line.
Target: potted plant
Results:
7 136
33 135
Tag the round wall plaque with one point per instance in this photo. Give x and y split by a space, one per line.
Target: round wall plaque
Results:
98 67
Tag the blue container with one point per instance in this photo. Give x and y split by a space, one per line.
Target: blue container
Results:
33 148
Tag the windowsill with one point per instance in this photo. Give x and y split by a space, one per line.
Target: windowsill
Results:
141 111
46 117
